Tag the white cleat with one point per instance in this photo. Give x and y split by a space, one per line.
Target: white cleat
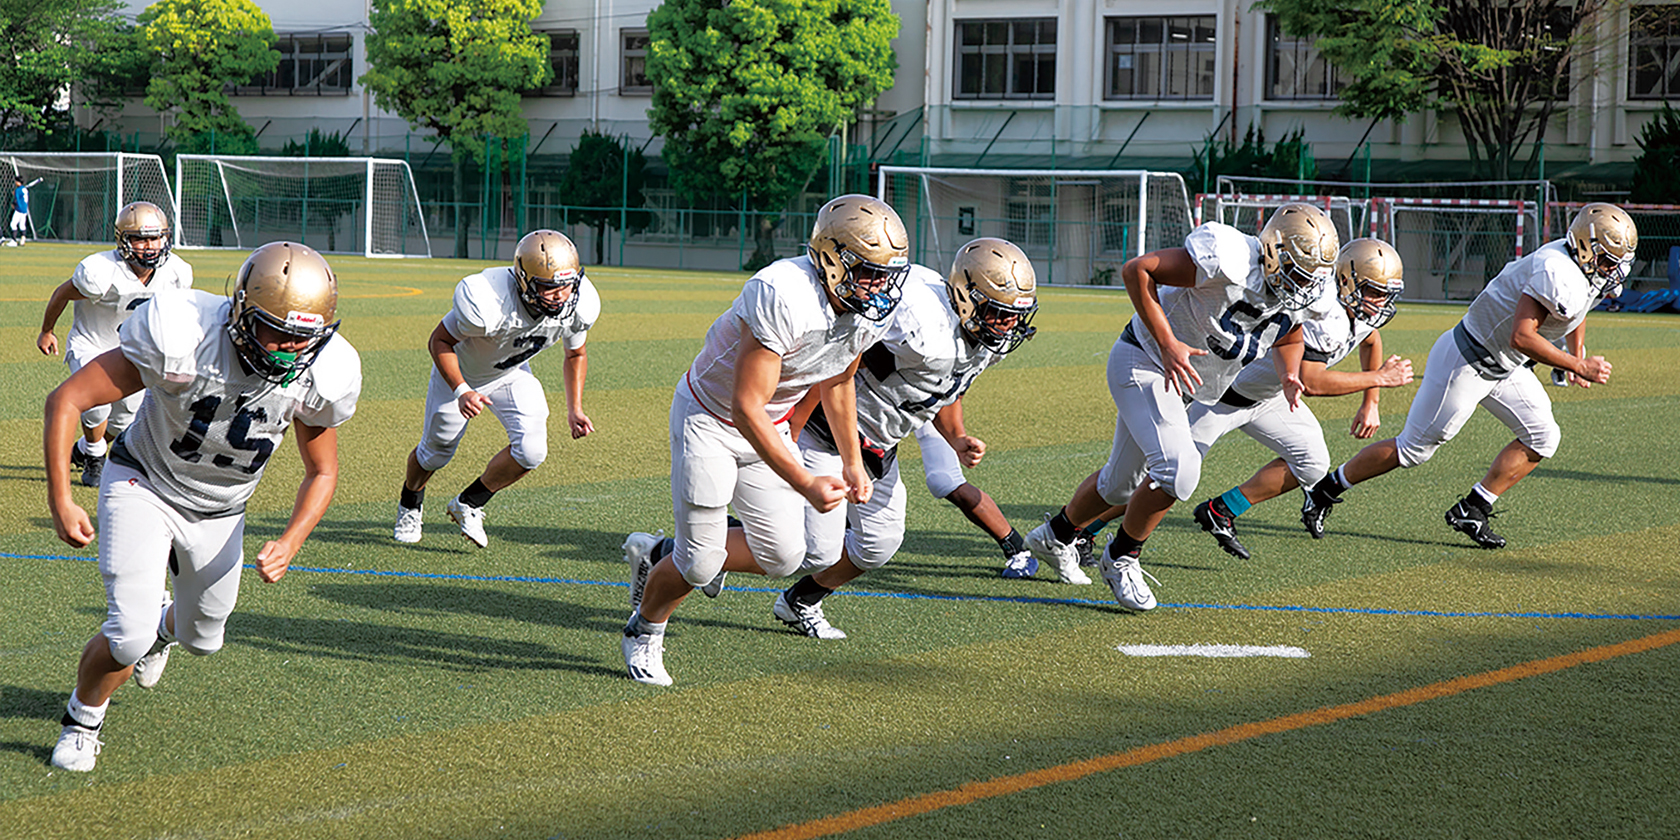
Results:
644 658
149 669
409 522
806 619
471 520
1063 557
77 749
638 554
1125 576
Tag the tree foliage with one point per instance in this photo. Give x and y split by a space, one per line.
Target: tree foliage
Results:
1501 67
746 93
198 48
602 175
48 45
1287 158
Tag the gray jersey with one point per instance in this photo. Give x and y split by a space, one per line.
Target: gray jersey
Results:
497 335
1229 312
1549 275
922 364
1329 335
111 293
208 426
785 307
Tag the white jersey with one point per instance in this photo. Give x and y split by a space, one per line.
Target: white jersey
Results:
786 307
1229 312
112 293
922 364
1329 335
208 426
1549 275
497 335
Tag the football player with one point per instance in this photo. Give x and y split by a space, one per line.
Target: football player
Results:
1516 322
224 381
1234 295
943 334
481 355
107 287
798 323
1368 281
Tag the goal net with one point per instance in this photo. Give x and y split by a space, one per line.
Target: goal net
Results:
334 205
1077 226
79 193
1248 213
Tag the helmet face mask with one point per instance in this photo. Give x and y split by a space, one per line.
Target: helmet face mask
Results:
993 288
1603 239
1298 248
141 221
862 250
544 261
1369 278
285 294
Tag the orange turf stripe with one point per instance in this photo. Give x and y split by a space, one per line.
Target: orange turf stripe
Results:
1004 785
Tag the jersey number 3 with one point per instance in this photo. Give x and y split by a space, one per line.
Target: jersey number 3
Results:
238 436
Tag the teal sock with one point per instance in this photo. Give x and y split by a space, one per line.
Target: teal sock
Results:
1235 502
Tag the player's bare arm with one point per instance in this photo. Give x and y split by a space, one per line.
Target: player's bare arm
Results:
949 423
757 370
1374 374
1287 353
1576 343
442 347
319 448
61 297
574 370
1526 339
106 379
1143 276
839 399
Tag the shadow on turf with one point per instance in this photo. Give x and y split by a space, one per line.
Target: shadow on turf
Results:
18 702
444 537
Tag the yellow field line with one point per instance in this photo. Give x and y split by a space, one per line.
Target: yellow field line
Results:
1005 785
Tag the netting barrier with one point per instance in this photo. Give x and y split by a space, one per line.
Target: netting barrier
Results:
80 193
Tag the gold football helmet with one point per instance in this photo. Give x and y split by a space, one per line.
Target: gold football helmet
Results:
545 260
141 220
288 288
1603 238
863 251
1369 279
994 291
1298 253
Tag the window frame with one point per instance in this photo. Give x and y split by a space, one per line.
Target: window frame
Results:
627 56
1668 43
334 51
1017 61
1305 54
1167 57
561 58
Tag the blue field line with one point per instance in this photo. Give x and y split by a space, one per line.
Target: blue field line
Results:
909 596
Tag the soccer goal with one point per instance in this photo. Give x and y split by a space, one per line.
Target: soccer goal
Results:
335 205
1248 213
1078 226
79 193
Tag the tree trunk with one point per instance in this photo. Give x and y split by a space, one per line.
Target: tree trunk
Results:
460 206
601 242
764 242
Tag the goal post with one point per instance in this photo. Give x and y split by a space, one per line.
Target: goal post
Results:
79 193
1077 226
335 205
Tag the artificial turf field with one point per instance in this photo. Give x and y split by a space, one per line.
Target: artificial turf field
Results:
439 690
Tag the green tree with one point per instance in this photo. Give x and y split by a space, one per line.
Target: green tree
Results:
457 67
603 175
199 47
49 45
1288 158
1499 66
1656 175
746 93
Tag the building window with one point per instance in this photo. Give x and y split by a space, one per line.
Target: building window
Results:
1654 52
1006 59
310 65
1160 58
1296 70
563 59
633 62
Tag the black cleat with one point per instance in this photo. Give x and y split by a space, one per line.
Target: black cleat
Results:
1314 510
1473 523
1084 543
92 471
1222 527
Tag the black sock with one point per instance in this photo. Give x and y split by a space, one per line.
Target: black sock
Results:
476 494
806 591
1474 500
1219 507
1330 486
1012 544
412 499
1062 527
1123 544
661 549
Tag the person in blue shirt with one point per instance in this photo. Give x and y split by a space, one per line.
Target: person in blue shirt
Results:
20 209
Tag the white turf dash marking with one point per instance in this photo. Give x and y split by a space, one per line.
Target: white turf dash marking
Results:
1284 651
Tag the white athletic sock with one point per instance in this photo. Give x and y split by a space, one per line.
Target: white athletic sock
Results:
95 449
89 716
